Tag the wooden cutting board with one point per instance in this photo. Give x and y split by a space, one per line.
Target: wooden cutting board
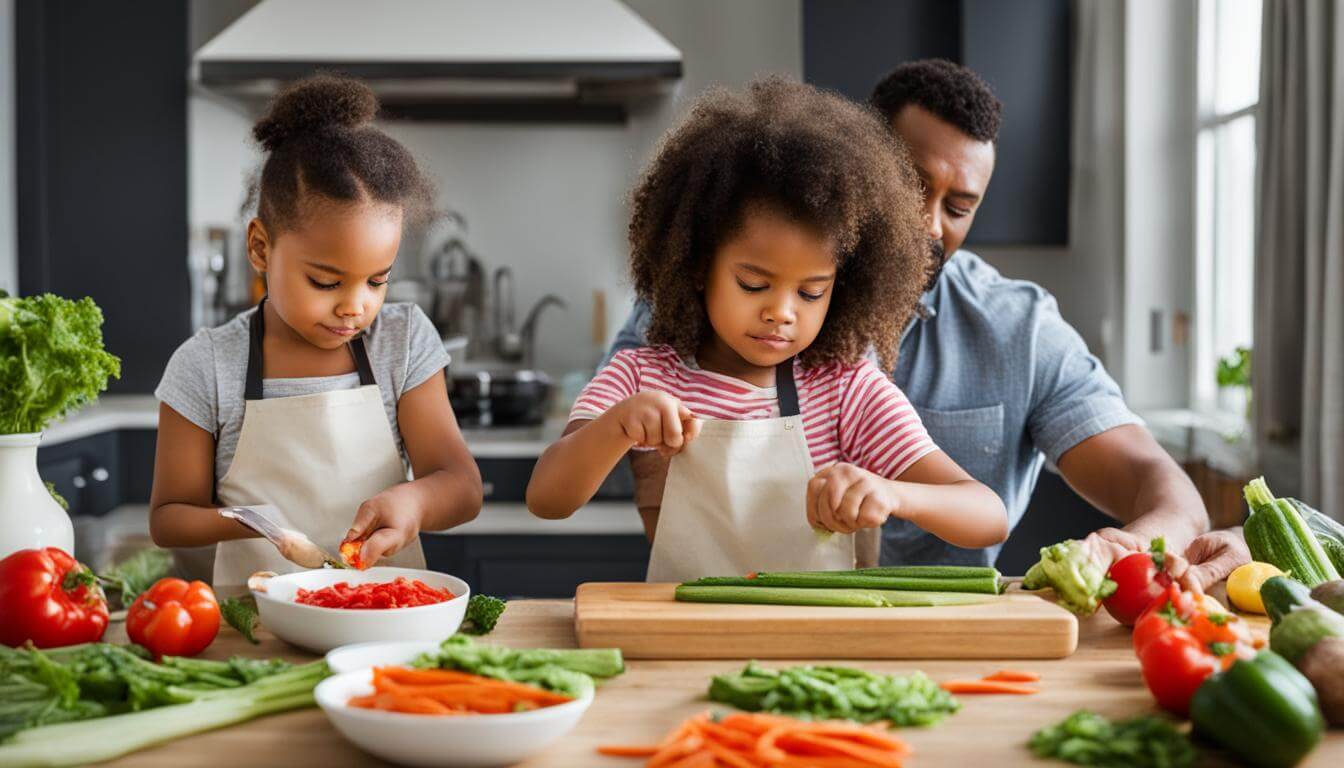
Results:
645 622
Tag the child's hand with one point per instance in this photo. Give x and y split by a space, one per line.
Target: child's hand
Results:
844 498
656 420
385 523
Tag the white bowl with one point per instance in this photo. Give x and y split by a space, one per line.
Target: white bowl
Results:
321 629
351 658
432 740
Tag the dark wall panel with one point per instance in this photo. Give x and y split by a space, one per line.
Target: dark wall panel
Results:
102 171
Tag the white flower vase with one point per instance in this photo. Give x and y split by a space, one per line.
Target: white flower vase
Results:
29 517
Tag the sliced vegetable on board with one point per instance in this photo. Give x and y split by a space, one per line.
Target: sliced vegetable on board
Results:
1067 568
1139 580
1086 738
174 618
1261 710
835 598
1276 533
840 693
49 599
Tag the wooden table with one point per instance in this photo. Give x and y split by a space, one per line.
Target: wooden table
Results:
652 696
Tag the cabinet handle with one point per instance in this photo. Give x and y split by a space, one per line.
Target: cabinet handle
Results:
99 475
487 488
79 482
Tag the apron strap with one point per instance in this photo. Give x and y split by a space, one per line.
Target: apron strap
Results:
257 331
786 389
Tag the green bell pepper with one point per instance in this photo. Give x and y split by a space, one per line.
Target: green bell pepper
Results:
1262 710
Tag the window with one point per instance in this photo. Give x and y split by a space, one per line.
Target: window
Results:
1229 99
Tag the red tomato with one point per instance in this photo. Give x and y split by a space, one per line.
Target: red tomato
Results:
1139 580
1174 609
174 618
48 597
1174 665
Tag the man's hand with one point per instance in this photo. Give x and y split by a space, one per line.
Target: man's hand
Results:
656 420
1108 545
843 498
386 524
1210 558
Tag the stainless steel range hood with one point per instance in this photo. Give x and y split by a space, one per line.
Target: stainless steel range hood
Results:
453 59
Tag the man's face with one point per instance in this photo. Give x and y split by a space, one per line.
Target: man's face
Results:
954 170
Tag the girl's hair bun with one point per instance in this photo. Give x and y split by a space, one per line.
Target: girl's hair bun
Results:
313 105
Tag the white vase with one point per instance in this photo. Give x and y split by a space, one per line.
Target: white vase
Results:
29 517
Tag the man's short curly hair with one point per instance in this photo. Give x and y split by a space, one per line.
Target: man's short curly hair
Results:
820 159
950 91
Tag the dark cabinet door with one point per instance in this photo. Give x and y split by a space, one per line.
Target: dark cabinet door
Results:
540 566
101 130
86 472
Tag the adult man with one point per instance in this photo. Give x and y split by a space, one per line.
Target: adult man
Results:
1000 380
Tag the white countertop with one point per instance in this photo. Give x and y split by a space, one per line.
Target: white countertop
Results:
113 412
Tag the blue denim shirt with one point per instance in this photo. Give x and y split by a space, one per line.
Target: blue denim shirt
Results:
1001 382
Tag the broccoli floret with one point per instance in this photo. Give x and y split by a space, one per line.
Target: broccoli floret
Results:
483 612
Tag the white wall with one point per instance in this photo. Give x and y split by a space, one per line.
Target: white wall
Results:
547 200
9 273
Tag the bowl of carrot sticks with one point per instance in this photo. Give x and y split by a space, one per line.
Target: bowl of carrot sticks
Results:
442 717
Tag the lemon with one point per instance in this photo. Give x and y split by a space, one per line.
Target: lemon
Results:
1243 586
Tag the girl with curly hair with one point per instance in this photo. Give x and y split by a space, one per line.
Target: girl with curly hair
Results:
776 237
317 400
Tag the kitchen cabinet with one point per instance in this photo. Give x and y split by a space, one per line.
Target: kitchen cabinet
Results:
86 472
101 169
540 565
505 479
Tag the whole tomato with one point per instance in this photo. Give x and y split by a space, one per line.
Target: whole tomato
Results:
174 618
1139 580
49 598
1174 609
1174 665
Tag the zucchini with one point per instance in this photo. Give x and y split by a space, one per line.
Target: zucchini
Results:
1276 533
834 598
1281 595
1328 531
1300 630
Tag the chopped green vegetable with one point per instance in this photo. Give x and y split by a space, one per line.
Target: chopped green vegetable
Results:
1079 583
241 614
483 611
52 360
1085 738
79 682
823 693
567 671
837 598
80 743
138 573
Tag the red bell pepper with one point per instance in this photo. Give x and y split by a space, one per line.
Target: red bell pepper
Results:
174 618
1140 579
49 598
1175 664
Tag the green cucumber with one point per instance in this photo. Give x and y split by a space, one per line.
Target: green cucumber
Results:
1276 533
1281 595
836 598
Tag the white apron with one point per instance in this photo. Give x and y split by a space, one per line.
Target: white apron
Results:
736 501
316 457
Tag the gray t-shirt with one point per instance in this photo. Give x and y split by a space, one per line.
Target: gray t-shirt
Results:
206 376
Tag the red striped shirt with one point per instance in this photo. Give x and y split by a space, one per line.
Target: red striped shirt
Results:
851 413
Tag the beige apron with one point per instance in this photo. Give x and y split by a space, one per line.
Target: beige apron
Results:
736 501
316 457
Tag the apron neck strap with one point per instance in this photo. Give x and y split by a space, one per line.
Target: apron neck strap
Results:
786 390
256 328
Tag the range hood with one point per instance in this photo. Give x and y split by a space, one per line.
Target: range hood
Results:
452 59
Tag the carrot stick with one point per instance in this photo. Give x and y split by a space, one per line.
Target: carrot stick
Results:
617 750
988 686
844 748
1013 676
732 757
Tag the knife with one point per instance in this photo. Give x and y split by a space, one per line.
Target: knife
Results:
293 545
